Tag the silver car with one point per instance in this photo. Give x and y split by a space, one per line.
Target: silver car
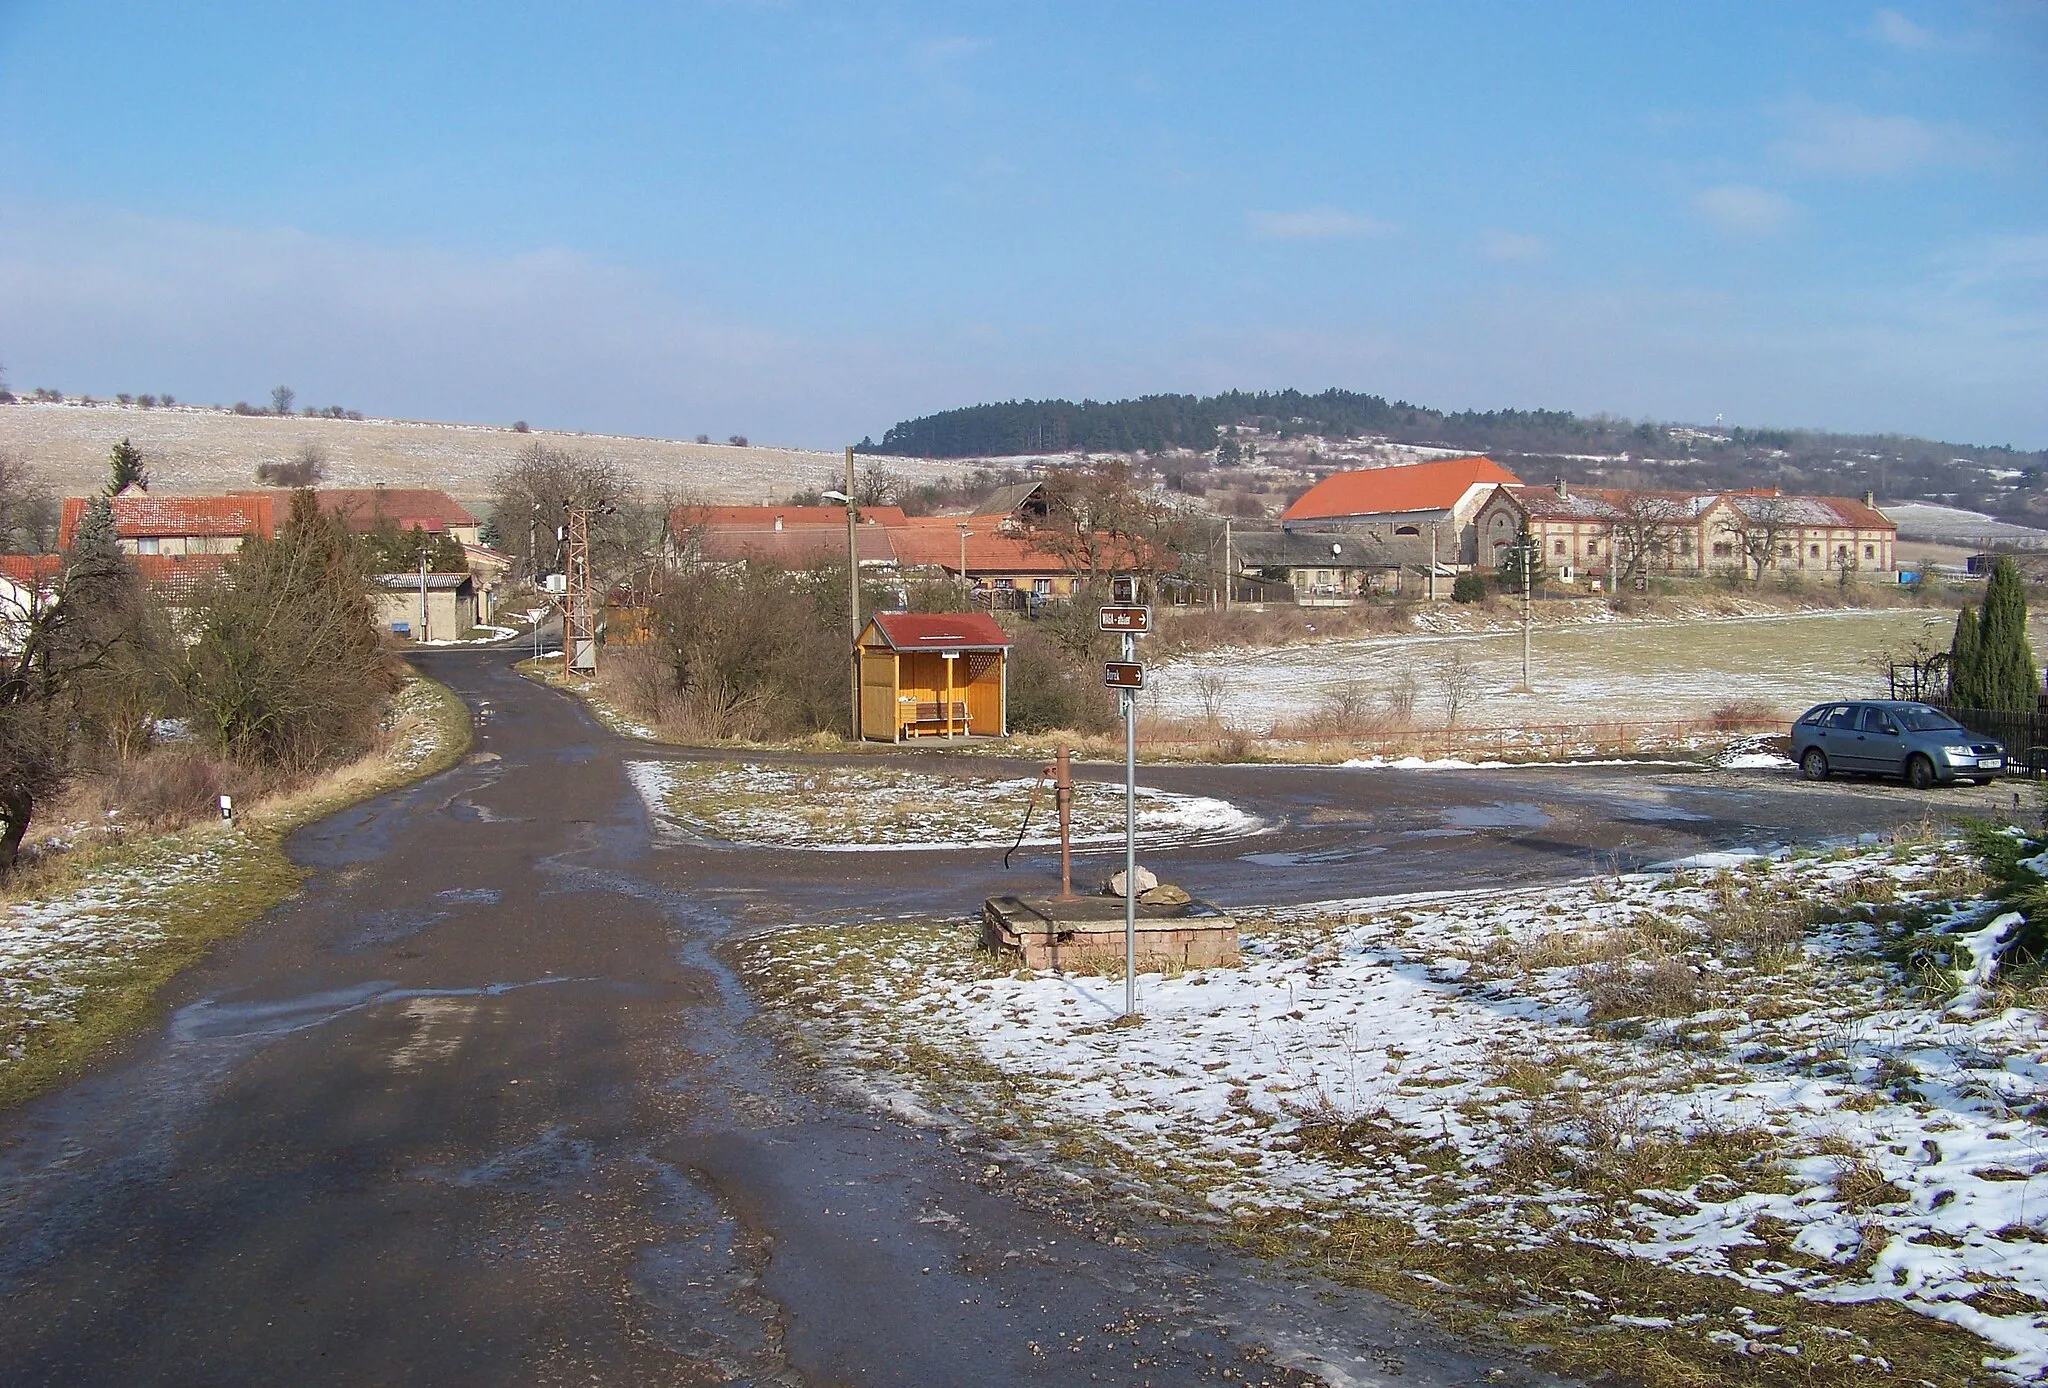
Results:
1891 737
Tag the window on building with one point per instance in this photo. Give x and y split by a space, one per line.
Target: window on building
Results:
1870 551
1723 549
1407 530
1685 544
1592 547
150 545
1559 547
1813 551
1042 587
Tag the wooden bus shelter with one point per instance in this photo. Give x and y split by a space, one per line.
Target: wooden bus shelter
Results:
926 674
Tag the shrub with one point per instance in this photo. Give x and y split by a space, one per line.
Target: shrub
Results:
284 666
1051 688
1468 588
171 787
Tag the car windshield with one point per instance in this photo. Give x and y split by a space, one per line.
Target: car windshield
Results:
1921 719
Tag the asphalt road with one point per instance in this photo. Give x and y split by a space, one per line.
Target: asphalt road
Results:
483 1104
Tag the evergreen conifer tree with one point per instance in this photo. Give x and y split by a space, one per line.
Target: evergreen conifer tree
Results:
1963 683
95 539
126 468
2006 678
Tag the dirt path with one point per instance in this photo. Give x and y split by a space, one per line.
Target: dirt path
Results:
483 1104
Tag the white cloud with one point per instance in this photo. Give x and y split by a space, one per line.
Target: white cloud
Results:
1737 209
1895 30
98 300
1512 246
1840 142
1315 224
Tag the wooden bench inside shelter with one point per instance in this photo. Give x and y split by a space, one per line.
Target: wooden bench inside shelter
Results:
930 718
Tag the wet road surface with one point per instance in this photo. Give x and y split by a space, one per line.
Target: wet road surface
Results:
483 1103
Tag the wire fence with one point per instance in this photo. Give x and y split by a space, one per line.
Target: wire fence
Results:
1507 743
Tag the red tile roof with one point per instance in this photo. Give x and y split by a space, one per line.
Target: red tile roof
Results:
361 508
939 631
1435 486
685 519
147 515
30 570
178 575
987 552
800 548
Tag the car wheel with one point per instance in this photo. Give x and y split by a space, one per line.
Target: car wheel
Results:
1919 772
1814 765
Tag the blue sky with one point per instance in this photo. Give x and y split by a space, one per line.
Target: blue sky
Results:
803 222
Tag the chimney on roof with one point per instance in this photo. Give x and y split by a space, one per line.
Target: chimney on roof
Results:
1563 490
1870 498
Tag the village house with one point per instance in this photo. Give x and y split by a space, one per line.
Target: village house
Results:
1436 501
365 510
155 523
1604 532
429 607
1329 568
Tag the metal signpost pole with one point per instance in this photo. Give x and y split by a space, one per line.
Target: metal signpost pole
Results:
1130 838
853 595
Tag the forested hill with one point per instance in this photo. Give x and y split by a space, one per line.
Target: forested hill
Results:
1156 423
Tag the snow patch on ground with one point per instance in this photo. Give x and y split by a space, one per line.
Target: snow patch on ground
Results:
1480 1059
846 809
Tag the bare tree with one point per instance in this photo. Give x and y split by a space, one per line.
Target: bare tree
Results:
1212 687
1760 524
531 495
1400 697
1644 530
28 508
1457 683
877 486
281 398
1098 522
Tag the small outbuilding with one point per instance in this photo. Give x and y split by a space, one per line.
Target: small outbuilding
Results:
438 607
933 674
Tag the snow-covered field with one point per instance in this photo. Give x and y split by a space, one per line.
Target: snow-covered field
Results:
200 450
1634 671
864 807
1790 1077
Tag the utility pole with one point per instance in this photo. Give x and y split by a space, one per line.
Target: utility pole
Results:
423 596
852 598
1432 561
1528 563
579 606
963 564
1229 566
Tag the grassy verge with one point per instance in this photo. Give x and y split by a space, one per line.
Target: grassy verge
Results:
116 923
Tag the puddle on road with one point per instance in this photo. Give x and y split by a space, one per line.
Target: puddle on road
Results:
388 928
212 1020
1311 858
439 1026
552 1160
1501 814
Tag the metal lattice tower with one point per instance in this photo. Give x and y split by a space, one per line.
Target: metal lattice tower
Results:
579 616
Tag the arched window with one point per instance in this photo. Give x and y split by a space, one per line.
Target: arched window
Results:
1407 530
